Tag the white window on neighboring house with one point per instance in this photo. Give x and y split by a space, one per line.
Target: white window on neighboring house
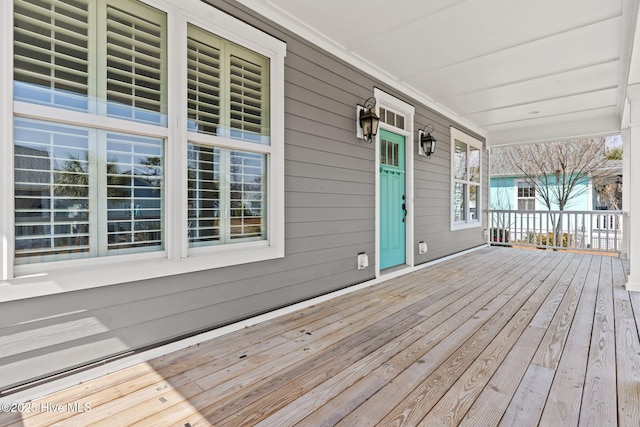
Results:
466 178
526 196
139 131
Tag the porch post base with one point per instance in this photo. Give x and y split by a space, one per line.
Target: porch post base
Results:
633 284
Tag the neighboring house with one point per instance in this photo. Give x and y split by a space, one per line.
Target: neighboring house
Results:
180 167
510 191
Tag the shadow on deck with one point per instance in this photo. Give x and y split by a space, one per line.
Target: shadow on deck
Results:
497 337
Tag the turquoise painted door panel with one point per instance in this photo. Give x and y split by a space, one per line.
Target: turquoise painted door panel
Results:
392 200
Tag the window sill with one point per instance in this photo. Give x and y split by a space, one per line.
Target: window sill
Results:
76 278
465 225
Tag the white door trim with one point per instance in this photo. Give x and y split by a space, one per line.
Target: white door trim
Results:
390 102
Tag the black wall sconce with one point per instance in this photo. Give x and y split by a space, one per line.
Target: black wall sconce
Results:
368 120
427 142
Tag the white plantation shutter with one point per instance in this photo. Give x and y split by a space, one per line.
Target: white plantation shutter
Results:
247 204
203 84
83 192
249 101
227 88
135 67
134 191
92 182
55 51
227 96
226 196
204 195
51 52
51 190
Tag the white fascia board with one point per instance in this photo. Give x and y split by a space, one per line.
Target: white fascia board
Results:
284 19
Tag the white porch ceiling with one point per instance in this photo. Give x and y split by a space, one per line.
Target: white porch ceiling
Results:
513 70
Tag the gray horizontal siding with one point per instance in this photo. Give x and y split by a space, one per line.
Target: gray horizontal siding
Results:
330 218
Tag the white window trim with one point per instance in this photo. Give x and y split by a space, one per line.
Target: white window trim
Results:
469 140
516 182
26 281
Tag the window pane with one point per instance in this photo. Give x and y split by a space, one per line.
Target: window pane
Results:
136 63
117 69
459 203
383 152
247 197
474 164
204 195
81 192
203 85
526 190
228 89
473 205
51 191
460 160
249 91
227 200
134 192
526 204
51 53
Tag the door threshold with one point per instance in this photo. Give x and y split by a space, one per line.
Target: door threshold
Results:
394 270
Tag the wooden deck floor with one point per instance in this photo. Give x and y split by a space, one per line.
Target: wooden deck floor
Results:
499 337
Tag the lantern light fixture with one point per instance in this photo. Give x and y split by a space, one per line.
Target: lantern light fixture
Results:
368 120
427 142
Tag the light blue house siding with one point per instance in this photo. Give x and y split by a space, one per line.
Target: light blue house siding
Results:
503 195
518 217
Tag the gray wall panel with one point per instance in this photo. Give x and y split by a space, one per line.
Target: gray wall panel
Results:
329 208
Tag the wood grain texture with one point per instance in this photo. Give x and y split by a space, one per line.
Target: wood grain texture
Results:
499 337
563 403
599 406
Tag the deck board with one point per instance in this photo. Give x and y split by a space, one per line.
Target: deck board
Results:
563 404
500 336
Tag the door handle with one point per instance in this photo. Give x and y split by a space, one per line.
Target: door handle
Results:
404 208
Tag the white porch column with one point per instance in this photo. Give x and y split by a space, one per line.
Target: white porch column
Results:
631 176
626 190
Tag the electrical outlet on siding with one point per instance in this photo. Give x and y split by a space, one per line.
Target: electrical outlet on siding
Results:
363 261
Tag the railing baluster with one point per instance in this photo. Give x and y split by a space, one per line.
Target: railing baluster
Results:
584 230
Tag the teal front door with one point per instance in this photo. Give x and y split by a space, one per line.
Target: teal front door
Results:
393 202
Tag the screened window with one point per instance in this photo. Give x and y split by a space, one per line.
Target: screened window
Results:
99 169
466 179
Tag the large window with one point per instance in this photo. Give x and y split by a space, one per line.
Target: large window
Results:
466 168
227 197
113 127
87 191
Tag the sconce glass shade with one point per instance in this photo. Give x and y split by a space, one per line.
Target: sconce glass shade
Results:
428 144
369 122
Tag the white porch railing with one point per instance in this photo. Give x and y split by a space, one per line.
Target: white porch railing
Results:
583 230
